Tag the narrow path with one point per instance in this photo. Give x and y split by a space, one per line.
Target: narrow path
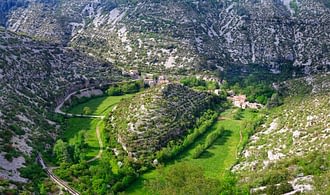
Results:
240 141
57 180
49 170
59 107
98 135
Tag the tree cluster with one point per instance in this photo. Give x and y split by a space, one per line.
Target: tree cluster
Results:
210 139
199 84
75 152
183 178
125 88
202 125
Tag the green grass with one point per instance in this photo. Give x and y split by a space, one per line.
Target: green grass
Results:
99 105
75 125
217 159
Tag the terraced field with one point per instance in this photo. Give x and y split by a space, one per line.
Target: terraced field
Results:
150 120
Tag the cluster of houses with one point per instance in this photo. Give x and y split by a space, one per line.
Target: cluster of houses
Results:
241 102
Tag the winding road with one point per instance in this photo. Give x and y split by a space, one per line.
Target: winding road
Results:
56 179
59 111
49 170
98 134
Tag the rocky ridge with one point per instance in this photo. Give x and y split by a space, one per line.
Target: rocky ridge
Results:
151 119
165 35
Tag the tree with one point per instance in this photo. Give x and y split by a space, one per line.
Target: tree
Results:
114 91
42 189
238 114
211 85
213 136
87 110
274 101
198 151
236 88
128 88
60 150
261 99
79 148
99 186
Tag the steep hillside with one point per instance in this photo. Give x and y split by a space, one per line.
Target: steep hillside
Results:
170 34
291 151
150 120
50 48
34 77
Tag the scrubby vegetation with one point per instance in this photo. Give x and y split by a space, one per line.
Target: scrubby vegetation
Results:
290 153
147 122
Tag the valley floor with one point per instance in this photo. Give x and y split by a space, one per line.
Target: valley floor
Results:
218 159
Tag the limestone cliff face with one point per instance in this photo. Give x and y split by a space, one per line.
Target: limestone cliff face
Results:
186 34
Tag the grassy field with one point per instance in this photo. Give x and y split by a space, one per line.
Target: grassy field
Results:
221 156
99 105
74 125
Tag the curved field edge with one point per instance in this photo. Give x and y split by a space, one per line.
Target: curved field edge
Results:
98 105
73 125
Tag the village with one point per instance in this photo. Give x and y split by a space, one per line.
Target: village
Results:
238 100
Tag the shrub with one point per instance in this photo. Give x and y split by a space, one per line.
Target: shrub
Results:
87 110
213 136
17 129
238 114
114 91
198 151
